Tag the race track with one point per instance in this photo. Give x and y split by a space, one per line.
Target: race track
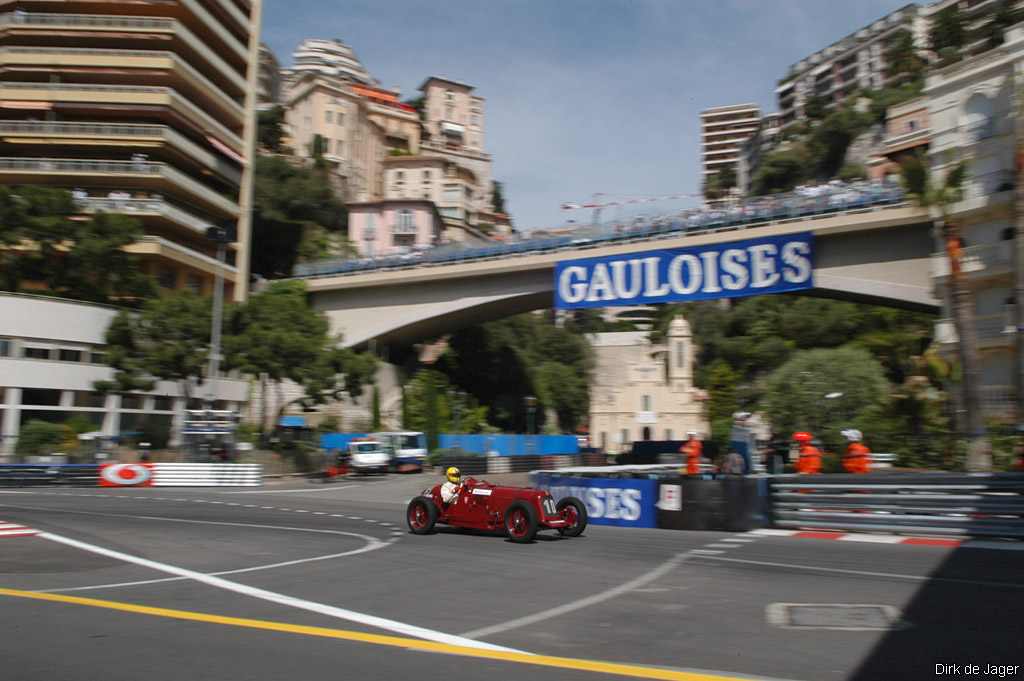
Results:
309 581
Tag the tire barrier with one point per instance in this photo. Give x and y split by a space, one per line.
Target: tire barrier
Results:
132 475
985 505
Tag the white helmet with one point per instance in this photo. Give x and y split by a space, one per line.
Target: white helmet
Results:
693 433
851 435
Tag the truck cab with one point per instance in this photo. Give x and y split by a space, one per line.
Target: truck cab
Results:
366 456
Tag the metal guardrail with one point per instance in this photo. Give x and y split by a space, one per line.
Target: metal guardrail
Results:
978 505
159 475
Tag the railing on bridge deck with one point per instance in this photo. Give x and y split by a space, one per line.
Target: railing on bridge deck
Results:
856 198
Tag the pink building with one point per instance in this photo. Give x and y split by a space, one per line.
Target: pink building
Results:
393 226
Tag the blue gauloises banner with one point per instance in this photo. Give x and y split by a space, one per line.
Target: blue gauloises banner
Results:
726 270
626 503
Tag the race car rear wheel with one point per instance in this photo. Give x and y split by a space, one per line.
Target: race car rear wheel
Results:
575 513
521 522
421 515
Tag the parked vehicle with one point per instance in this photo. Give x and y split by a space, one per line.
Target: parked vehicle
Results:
483 505
406 449
366 456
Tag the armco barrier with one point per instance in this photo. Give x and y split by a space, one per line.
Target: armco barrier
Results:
913 503
132 475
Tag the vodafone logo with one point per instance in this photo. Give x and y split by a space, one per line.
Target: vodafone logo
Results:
125 475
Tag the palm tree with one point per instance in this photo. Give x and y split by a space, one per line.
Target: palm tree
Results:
921 188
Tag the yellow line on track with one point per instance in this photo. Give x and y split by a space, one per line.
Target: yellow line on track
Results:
397 641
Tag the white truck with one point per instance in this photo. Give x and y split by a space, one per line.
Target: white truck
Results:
366 456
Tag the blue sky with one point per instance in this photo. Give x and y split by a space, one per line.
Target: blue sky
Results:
583 96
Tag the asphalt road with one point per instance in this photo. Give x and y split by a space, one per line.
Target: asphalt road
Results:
309 581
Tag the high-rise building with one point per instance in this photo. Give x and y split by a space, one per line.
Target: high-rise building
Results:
723 131
145 109
848 65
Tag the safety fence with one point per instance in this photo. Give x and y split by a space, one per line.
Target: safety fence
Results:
928 503
132 475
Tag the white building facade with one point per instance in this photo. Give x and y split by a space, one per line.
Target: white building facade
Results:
642 391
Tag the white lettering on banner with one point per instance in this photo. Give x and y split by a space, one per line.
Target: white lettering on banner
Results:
762 267
741 268
573 293
793 255
619 278
600 284
675 274
710 259
735 274
604 502
653 287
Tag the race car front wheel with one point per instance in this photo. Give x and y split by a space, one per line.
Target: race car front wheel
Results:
520 522
421 515
575 514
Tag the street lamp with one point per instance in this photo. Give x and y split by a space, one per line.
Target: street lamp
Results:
456 397
222 237
531 406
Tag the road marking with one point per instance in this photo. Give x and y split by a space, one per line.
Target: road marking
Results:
295 491
281 599
867 573
394 641
640 581
13 530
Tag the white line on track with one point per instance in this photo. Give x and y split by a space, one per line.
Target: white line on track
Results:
282 599
295 491
626 587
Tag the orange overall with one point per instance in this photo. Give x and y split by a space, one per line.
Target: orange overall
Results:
857 458
693 450
809 460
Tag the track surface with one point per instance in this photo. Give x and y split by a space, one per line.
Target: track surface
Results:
308 581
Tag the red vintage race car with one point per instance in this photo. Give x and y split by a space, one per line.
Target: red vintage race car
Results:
482 505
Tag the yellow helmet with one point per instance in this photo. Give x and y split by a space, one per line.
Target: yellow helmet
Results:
452 474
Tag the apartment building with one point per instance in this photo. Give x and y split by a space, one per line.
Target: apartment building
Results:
723 132
974 118
857 61
329 58
146 109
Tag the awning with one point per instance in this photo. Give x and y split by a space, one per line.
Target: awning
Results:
452 129
226 150
22 104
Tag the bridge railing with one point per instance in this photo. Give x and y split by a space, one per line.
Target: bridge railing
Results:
760 211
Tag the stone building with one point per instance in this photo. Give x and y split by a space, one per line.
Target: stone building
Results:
644 391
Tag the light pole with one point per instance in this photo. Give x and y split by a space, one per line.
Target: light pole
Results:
456 398
531 406
222 237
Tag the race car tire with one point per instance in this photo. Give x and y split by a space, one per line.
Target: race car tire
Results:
576 513
421 515
521 522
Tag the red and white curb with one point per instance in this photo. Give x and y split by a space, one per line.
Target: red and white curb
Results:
850 536
12 530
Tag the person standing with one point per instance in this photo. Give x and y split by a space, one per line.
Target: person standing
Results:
809 459
858 457
693 450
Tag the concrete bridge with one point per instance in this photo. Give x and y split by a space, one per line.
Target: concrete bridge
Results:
878 255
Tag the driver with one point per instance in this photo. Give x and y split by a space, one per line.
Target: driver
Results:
450 489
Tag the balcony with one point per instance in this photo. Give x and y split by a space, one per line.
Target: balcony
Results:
151 206
977 261
147 174
990 328
404 230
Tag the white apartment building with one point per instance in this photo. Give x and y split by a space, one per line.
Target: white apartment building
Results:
974 117
723 131
857 61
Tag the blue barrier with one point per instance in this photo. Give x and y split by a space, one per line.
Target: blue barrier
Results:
512 445
609 501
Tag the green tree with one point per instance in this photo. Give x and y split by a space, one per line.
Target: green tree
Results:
796 397
167 340
277 334
498 196
902 59
780 171
816 107
1002 16
270 129
719 184
947 30
723 391
916 177
375 409
40 438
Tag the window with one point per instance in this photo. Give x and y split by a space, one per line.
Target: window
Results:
426 175
165 278
449 112
404 222
69 355
339 147
327 116
97 357
370 231
36 353
340 118
668 433
40 396
194 284
162 403
681 355
89 398
130 401
400 175
451 193
645 403
449 95
5 347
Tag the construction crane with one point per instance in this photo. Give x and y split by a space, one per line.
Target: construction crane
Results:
597 204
